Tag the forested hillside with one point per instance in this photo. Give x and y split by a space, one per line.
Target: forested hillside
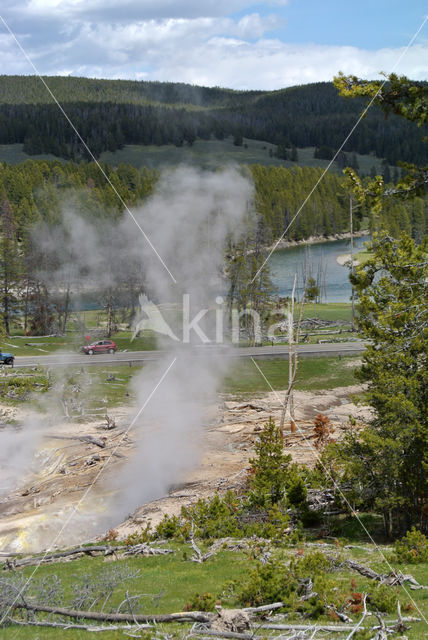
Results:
111 113
37 190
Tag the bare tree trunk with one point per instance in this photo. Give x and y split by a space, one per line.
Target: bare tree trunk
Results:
109 315
352 265
289 392
27 295
293 360
66 308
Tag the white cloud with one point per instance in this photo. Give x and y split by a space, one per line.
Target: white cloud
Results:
207 48
129 10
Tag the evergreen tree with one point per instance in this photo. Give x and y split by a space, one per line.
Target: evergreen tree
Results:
387 462
312 290
269 467
282 152
238 140
355 163
386 172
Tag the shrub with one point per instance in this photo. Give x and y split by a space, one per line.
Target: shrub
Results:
277 582
225 516
383 598
201 602
169 527
267 583
412 548
296 488
140 537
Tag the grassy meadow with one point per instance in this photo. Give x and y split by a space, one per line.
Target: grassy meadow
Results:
208 154
169 583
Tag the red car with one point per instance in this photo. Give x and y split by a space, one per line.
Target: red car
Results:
102 346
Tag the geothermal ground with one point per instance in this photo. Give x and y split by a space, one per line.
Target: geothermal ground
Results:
71 459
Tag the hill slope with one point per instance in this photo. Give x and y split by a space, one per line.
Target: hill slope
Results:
112 113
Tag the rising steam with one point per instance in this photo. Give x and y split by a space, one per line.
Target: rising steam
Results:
189 220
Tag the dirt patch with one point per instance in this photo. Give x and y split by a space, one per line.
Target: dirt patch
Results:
71 456
229 443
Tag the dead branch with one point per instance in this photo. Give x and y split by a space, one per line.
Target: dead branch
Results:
99 442
198 556
265 607
250 405
225 634
70 625
356 546
391 579
110 423
146 550
78 552
182 616
138 549
363 616
307 627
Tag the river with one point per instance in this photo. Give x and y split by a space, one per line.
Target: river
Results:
320 257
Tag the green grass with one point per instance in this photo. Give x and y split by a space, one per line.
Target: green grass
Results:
21 345
110 386
14 154
178 579
333 311
203 153
364 256
171 581
99 387
314 374
215 153
72 342
40 346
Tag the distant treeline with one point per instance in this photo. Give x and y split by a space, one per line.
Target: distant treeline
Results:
111 113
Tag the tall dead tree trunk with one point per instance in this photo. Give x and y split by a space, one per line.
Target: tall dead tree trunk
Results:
293 359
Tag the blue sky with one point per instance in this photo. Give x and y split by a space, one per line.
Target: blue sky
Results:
235 43
370 25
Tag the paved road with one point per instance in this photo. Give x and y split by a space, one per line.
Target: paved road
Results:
139 357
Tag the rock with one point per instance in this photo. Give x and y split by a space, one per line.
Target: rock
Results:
231 620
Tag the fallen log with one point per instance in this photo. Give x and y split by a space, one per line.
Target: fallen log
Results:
249 405
26 562
139 549
91 440
265 607
226 634
86 438
308 627
81 627
146 550
182 616
391 579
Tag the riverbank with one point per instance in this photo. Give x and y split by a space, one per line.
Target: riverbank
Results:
345 260
319 259
286 244
360 257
